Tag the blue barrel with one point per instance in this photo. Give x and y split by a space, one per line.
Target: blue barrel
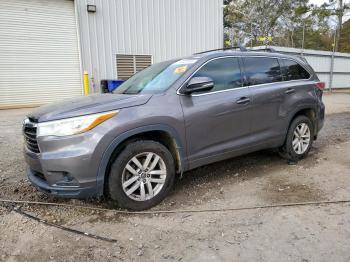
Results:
113 84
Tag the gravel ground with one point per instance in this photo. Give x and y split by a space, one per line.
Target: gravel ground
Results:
301 233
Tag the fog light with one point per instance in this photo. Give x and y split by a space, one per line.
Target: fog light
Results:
64 179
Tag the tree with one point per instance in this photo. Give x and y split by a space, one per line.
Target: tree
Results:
292 23
251 19
344 40
339 12
337 8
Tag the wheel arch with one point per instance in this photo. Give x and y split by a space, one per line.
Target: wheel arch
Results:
308 111
163 134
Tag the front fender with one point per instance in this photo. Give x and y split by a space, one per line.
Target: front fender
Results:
122 137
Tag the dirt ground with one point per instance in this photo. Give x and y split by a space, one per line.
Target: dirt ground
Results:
300 233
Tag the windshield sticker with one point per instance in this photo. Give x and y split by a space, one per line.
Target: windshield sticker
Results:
180 69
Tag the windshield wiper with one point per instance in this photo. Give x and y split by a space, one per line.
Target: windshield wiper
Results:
126 92
130 93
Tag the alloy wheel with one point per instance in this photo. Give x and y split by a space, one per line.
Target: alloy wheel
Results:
301 138
144 176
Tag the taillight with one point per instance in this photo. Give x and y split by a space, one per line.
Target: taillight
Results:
320 85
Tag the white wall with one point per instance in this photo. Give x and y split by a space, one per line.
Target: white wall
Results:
163 28
321 63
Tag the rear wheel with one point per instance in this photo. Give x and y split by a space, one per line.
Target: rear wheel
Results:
142 175
299 139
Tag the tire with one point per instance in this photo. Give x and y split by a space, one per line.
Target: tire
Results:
150 186
291 150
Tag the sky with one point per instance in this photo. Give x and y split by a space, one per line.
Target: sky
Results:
317 2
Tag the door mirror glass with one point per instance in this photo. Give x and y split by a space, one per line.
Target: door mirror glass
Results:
199 84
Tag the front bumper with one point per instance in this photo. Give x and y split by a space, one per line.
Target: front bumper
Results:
38 181
65 167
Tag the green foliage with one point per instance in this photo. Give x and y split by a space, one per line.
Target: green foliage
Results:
286 21
344 41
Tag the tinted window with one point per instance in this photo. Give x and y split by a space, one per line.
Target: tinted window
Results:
262 70
293 71
225 73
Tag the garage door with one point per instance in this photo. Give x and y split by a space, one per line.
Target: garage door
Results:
39 55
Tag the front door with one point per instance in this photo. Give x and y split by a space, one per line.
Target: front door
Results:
217 121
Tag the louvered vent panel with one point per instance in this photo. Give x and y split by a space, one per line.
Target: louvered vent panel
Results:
142 61
125 66
128 65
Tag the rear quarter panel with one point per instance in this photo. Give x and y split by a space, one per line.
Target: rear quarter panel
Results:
304 97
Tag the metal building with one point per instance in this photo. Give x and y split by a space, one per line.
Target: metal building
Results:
46 45
321 62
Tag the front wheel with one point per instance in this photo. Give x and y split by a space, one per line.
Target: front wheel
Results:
142 175
299 139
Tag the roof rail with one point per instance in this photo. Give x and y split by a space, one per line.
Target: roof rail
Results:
301 57
268 49
240 47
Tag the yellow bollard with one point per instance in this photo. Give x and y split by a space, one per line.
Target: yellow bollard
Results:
86 83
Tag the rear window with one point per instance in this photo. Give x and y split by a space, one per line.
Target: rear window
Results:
293 71
262 70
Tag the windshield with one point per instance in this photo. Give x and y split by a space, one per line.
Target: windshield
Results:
156 78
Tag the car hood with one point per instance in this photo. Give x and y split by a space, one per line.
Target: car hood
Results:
87 105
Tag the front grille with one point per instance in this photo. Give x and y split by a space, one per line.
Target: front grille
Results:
29 131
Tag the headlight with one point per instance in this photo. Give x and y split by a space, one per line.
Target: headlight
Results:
74 125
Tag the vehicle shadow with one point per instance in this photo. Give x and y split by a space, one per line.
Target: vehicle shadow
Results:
195 184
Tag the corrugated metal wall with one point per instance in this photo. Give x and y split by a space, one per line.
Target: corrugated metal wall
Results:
163 28
321 63
39 52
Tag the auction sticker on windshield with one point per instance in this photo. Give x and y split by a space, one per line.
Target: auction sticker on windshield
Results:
180 69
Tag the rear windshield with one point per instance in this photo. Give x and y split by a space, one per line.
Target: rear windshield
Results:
156 78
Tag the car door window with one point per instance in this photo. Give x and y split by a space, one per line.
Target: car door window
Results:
293 71
262 70
225 72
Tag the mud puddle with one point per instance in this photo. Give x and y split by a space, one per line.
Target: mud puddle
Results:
279 190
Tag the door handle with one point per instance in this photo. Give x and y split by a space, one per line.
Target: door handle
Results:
289 91
243 100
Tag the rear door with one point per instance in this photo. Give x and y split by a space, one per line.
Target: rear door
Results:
217 121
299 91
263 76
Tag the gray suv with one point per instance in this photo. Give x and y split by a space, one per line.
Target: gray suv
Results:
172 117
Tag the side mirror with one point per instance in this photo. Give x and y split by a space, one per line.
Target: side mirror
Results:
199 84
